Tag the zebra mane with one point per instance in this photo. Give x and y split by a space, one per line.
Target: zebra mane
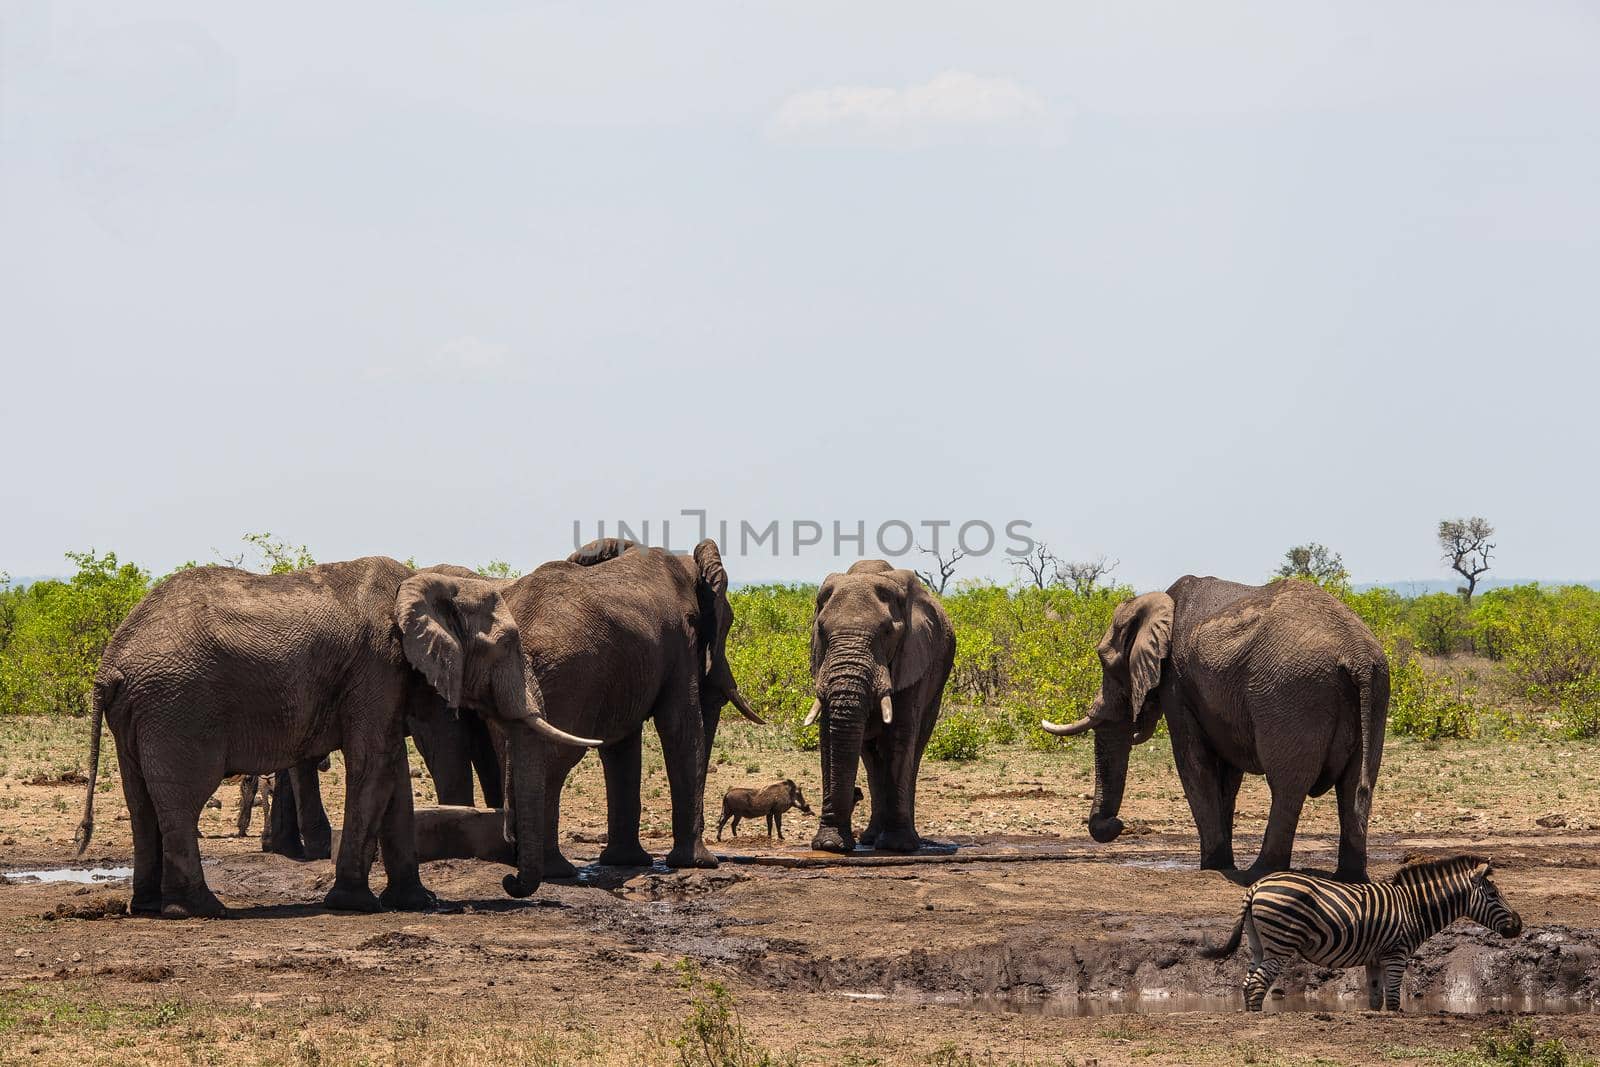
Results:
1416 868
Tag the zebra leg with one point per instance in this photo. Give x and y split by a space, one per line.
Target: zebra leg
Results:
1258 982
1394 972
1374 987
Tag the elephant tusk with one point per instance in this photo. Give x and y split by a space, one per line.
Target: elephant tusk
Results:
542 726
886 705
1069 730
814 714
745 709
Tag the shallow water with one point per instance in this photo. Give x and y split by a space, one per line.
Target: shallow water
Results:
1157 1002
81 875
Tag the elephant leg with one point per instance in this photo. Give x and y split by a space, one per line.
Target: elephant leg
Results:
899 830
875 764
398 840
1352 828
147 849
281 832
486 761
1205 780
1277 848
682 731
369 785
560 765
441 740
316 834
623 771
184 893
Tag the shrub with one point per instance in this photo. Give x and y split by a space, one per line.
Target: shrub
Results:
958 736
1423 707
1437 623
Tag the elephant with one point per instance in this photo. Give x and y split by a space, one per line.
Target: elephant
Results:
286 807
453 743
1281 680
881 650
219 671
618 634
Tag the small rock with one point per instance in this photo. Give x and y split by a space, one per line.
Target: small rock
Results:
214 803
415 773
1552 821
23 954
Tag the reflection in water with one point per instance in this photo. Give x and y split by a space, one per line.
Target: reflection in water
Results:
85 875
1153 1003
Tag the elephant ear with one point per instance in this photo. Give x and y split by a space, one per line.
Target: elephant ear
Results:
1152 635
926 630
819 647
599 551
423 613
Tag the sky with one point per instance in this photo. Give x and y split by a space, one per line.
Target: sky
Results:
1180 284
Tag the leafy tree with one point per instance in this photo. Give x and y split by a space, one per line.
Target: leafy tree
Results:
1313 562
1466 547
1438 622
499 568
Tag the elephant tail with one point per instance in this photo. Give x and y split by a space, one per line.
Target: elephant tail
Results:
1217 952
1372 686
106 687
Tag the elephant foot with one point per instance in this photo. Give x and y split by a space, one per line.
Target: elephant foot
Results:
413 896
145 905
319 849
832 839
695 855
869 836
1261 868
1105 830
1217 863
632 855
557 867
1353 875
341 898
202 905
515 886
898 841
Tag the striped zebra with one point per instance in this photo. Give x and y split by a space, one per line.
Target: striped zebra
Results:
1335 924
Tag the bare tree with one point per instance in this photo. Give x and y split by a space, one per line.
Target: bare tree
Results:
1084 575
947 568
1466 547
1314 562
1038 566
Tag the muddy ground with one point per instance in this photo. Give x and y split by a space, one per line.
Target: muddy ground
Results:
1030 945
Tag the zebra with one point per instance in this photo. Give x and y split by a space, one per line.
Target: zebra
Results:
1336 924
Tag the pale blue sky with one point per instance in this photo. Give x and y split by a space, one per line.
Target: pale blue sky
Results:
1179 283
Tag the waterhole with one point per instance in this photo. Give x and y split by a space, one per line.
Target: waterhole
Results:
1158 1001
83 875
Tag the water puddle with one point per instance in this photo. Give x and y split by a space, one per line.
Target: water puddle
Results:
1158 1002
77 875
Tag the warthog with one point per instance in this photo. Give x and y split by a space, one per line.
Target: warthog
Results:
772 802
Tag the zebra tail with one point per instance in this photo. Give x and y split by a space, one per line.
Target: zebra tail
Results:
1217 952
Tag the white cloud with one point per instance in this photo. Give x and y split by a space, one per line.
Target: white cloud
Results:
955 106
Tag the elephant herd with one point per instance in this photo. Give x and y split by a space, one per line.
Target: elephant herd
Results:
221 672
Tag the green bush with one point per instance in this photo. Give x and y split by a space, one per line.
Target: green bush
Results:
958 736
56 632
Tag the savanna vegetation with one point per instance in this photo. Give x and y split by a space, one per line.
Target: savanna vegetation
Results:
1507 661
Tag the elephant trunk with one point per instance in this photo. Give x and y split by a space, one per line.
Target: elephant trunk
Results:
526 796
842 729
1112 743
850 683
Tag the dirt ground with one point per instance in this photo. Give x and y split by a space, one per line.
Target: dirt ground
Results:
1028 944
